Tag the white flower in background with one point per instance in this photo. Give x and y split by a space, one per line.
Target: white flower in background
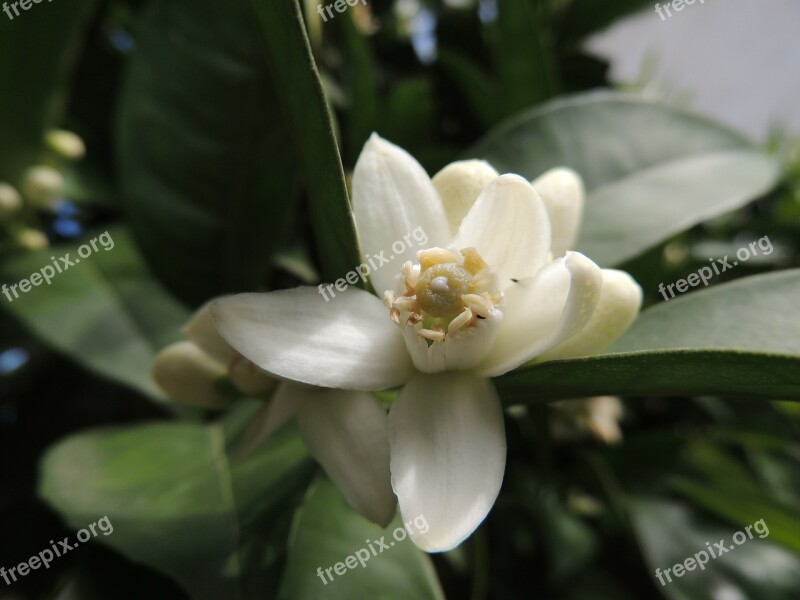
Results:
65 144
42 186
598 416
32 239
495 289
10 200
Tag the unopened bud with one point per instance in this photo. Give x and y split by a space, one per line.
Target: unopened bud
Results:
192 377
65 144
249 379
32 239
43 186
201 330
10 200
459 184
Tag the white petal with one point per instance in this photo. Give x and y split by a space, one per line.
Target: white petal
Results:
448 449
394 204
201 330
190 376
564 195
618 307
272 416
509 227
459 184
543 311
349 342
347 433
457 352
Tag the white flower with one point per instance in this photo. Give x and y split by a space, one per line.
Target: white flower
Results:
491 292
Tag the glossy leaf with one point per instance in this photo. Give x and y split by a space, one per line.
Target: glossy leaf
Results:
669 533
741 338
202 149
106 311
177 502
650 170
310 123
327 532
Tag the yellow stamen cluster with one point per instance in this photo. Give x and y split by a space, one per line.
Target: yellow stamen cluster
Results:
446 292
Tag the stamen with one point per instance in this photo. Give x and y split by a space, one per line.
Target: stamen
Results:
430 334
436 256
480 305
447 292
460 321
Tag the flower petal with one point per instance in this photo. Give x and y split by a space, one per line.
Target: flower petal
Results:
448 450
617 309
393 197
543 311
564 195
271 417
201 330
509 227
459 184
458 352
349 342
347 433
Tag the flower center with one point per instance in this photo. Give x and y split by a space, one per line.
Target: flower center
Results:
439 290
446 292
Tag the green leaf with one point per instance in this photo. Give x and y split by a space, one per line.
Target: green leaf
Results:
106 311
326 532
521 58
177 502
364 106
743 503
670 532
479 91
38 50
650 170
202 149
310 122
740 338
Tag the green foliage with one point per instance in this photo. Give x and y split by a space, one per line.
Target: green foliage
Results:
37 61
179 501
231 162
326 531
106 312
644 183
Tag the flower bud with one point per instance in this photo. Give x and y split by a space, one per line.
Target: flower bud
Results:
32 239
459 184
10 200
249 379
192 377
65 144
43 186
597 417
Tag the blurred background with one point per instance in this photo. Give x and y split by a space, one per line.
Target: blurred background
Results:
178 116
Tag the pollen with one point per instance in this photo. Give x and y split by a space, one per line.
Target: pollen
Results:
446 292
